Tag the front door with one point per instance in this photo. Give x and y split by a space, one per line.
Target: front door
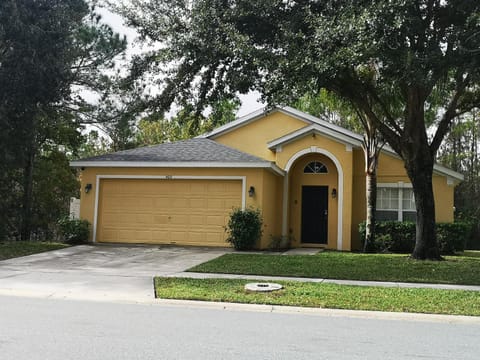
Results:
314 214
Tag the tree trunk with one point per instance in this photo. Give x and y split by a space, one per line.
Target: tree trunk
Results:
371 151
27 199
420 169
371 194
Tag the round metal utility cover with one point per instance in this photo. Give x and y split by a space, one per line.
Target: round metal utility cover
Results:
262 287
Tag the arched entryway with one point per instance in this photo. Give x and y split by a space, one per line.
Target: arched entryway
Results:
314 199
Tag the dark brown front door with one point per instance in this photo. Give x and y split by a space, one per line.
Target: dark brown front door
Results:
314 214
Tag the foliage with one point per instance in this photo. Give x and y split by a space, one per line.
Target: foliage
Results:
452 237
151 132
279 243
185 124
13 249
92 145
50 52
457 269
460 152
244 228
54 183
74 231
329 107
333 296
399 237
380 56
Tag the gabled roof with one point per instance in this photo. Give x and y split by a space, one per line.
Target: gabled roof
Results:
187 153
313 125
355 139
287 110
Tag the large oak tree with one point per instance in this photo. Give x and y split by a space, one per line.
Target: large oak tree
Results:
421 54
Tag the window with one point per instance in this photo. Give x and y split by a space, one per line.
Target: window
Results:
315 167
395 202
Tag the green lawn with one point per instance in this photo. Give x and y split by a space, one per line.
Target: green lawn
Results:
12 249
432 301
338 265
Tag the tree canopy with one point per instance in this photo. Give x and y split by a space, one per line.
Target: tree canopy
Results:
421 56
49 51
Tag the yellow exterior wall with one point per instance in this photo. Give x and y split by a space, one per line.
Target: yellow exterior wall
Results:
254 177
271 208
443 194
253 137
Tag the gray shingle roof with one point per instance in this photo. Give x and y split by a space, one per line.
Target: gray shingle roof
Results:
193 150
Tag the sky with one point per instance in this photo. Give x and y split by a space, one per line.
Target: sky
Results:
250 101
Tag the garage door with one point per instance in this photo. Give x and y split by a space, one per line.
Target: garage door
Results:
183 212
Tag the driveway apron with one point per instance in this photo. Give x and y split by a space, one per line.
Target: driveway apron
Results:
99 272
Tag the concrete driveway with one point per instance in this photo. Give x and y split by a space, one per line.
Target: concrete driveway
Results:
100 272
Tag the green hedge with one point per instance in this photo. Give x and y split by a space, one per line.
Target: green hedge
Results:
74 231
399 237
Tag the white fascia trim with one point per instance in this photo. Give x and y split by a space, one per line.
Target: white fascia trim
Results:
243 179
313 119
300 115
398 184
332 157
442 170
313 129
278 170
285 207
176 164
244 120
437 168
236 123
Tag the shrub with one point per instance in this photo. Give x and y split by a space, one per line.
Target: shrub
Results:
244 228
74 231
452 237
279 243
399 237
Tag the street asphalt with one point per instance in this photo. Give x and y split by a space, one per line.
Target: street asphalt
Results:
125 274
56 329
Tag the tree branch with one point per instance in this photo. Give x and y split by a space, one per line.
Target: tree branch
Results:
450 112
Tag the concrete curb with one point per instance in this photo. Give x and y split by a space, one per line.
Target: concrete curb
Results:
453 319
226 306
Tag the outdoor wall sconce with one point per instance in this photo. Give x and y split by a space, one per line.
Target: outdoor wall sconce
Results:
251 191
334 193
88 187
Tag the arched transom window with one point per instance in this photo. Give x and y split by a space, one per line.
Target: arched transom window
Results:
315 167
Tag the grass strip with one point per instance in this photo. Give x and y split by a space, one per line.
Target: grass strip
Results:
13 249
431 301
351 266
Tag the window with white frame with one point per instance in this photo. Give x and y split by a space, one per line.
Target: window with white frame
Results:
315 167
395 201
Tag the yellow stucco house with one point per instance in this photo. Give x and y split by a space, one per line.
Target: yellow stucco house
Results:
306 175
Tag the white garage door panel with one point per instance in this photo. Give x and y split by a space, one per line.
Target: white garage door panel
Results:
184 212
